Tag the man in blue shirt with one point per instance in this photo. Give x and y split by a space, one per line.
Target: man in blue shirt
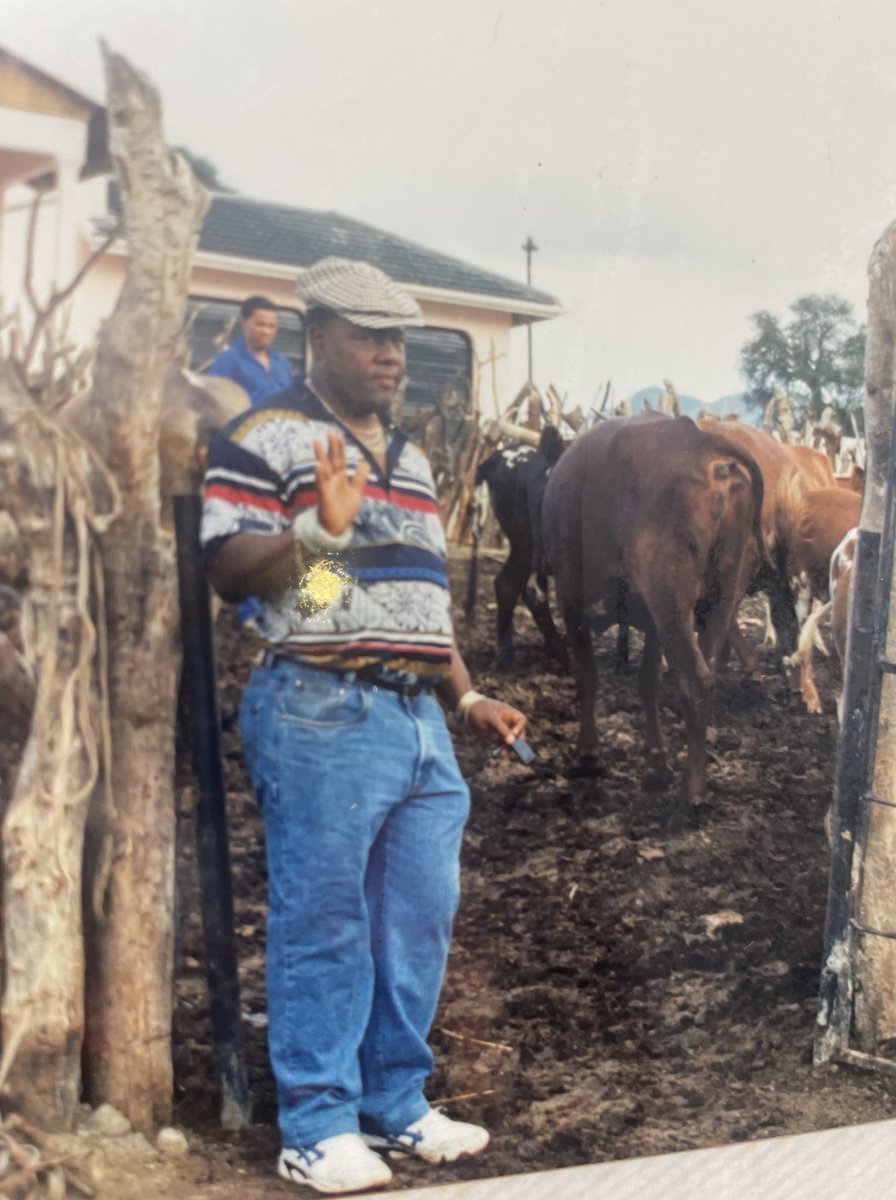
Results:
250 361
260 371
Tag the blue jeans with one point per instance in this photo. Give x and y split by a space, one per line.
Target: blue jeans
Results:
364 808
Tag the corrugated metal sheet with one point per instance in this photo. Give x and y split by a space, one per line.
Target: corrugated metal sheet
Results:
853 1163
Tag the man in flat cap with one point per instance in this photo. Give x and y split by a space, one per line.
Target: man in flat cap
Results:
317 503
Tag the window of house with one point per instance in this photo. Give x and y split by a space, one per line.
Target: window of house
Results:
439 361
213 325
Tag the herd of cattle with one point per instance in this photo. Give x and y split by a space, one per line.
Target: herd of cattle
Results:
665 525
650 521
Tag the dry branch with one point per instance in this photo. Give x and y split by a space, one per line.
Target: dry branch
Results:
555 405
43 313
519 399
462 1096
466 1037
574 419
36 1154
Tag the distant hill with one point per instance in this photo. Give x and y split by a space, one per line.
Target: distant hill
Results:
692 407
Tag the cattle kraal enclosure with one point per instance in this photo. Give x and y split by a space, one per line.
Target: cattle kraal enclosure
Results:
621 984
612 991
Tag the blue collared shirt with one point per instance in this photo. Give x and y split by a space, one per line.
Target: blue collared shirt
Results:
238 363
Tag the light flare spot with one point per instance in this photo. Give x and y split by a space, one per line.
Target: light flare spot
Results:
322 586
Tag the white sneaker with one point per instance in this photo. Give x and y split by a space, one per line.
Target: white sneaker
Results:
334 1165
435 1138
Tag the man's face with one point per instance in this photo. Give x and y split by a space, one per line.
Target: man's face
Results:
362 368
259 329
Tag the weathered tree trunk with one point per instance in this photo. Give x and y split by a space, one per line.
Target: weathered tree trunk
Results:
16 690
43 831
875 1007
128 1002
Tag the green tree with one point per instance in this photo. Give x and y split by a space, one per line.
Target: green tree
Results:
817 357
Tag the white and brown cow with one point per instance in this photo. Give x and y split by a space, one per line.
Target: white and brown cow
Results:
813 523
838 608
816 523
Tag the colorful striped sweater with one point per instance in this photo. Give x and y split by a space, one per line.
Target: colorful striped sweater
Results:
383 600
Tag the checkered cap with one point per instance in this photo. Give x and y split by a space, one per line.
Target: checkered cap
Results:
358 292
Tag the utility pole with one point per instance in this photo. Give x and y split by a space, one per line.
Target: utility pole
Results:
529 246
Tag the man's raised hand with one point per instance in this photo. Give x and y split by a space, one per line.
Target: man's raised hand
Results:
340 494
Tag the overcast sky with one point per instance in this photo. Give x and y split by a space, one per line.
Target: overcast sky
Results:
679 163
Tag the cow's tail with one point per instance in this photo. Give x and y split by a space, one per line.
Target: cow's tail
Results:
748 462
752 466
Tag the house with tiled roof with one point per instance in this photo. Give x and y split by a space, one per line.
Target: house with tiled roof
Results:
54 143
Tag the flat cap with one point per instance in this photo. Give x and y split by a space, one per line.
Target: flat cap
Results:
360 293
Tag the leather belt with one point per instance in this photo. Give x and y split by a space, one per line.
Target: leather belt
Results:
369 675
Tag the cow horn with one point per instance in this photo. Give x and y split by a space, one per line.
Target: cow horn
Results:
518 433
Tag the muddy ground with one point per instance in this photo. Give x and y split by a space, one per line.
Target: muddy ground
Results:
612 991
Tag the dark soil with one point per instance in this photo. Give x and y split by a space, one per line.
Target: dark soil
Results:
612 991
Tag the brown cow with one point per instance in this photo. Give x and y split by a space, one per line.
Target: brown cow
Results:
812 523
653 520
779 463
815 466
